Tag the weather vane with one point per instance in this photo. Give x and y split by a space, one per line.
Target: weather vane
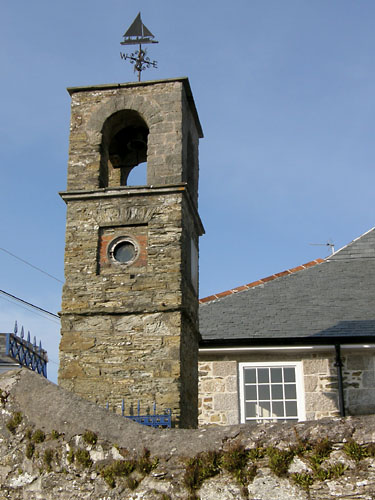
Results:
137 34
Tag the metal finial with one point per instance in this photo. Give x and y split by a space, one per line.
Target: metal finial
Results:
15 327
137 34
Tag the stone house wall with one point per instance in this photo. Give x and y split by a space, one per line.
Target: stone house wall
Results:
219 400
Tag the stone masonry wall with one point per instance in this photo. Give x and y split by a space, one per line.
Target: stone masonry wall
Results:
54 445
126 326
218 401
169 115
219 385
359 382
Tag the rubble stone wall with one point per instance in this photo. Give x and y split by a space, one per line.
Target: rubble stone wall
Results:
54 445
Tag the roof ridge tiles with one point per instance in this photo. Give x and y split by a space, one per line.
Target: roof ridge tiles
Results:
253 284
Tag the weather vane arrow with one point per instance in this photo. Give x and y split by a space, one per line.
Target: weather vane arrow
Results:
138 34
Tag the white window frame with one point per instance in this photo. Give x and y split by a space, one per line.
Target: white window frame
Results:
301 415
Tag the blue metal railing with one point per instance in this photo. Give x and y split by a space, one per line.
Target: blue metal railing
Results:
25 352
163 420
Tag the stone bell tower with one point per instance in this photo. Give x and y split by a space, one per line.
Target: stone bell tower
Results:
130 300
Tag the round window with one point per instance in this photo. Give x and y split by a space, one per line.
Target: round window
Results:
123 251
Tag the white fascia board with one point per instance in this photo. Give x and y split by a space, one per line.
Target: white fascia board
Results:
239 350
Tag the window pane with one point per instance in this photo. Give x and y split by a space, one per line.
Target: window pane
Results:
264 391
276 375
250 392
269 393
263 375
124 252
250 377
291 408
277 391
290 391
250 410
289 375
278 409
264 409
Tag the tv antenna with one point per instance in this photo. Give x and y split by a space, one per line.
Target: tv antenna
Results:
329 244
138 34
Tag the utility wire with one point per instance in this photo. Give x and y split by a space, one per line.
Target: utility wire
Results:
27 308
31 265
29 304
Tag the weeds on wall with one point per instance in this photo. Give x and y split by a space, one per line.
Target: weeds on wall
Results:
90 437
235 460
38 436
144 464
14 422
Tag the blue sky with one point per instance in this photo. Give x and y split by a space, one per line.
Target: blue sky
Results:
285 94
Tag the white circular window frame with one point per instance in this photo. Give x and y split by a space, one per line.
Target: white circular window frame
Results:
117 241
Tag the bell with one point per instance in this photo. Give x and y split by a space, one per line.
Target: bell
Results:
138 141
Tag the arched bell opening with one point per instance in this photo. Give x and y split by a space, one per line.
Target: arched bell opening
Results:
124 147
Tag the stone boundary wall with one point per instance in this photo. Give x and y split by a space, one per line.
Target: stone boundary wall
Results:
55 445
219 385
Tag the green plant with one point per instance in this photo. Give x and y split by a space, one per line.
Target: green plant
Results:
354 450
82 457
304 480
70 456
14 422
144 463
235 460
201 467
321 450
256 453
321 473
279 460
55 434
108 477
302 445
90 437
118 468
28 433
338 469
132 483
123 467
47 458
38 436
30 448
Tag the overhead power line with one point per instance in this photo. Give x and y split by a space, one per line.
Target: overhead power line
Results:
29 304
30 309
31 265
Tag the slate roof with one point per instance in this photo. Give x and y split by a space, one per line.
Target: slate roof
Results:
334 297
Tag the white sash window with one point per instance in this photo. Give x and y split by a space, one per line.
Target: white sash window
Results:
271 392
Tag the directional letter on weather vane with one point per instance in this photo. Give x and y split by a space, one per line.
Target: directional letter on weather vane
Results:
136 35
